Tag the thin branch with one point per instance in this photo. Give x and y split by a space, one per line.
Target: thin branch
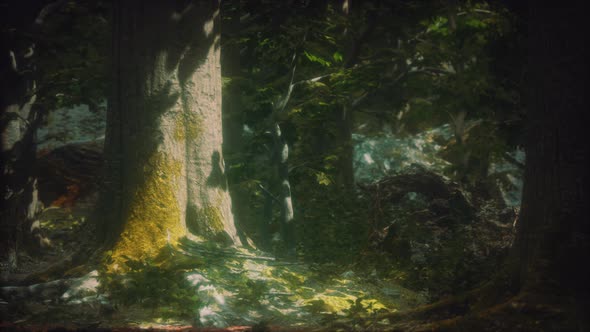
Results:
287 97
50 8
266 191
314 79
481 11
176 16
513 160
358 100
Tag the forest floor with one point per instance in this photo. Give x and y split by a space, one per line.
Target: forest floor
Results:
200 285
204 287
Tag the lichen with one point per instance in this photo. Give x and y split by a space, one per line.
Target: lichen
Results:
188 126
153 218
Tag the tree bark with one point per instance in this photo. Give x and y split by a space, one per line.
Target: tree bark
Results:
19 120
553 234
346 121
165 171
281 159
233 143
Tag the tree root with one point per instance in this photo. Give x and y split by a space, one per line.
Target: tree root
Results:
472 311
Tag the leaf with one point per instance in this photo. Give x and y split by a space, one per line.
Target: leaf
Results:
337 56
317 59
323 179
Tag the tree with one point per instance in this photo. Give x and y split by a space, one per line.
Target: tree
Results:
20 117
554 230
165 172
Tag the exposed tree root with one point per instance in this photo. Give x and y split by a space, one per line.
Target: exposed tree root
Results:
73 265
522 312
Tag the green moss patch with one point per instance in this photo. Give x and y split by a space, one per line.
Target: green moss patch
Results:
207 223
153 218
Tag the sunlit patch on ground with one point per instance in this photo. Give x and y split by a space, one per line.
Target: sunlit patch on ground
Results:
238 290
229 288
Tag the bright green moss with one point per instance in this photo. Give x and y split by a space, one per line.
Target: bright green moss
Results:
153 218
338 302
332 303
214 217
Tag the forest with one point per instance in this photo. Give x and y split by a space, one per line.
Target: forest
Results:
294 165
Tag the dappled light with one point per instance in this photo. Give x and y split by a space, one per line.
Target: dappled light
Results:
378 165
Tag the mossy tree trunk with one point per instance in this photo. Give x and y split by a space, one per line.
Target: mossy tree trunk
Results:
165 174
553 236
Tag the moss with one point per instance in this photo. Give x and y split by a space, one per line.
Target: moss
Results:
330 303
153 218
206 222
188 126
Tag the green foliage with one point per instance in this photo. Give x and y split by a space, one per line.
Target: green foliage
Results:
358 309
414 70
426 250
250 292
317 59
71 60
152 286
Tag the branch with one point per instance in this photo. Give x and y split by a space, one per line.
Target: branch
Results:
513 160
50 8
312 80
359 99
431 70
481 11
266 191
176 16
283 104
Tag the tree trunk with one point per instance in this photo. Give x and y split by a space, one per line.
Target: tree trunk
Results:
346 148
165 171
345 121
19 120
233 143
281 159
554 228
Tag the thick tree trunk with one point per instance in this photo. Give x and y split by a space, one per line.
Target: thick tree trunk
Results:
554 228
165 167
233 143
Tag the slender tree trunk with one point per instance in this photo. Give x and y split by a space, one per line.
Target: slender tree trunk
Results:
553 237
166 176
345 122
19 120
346 148
281 157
